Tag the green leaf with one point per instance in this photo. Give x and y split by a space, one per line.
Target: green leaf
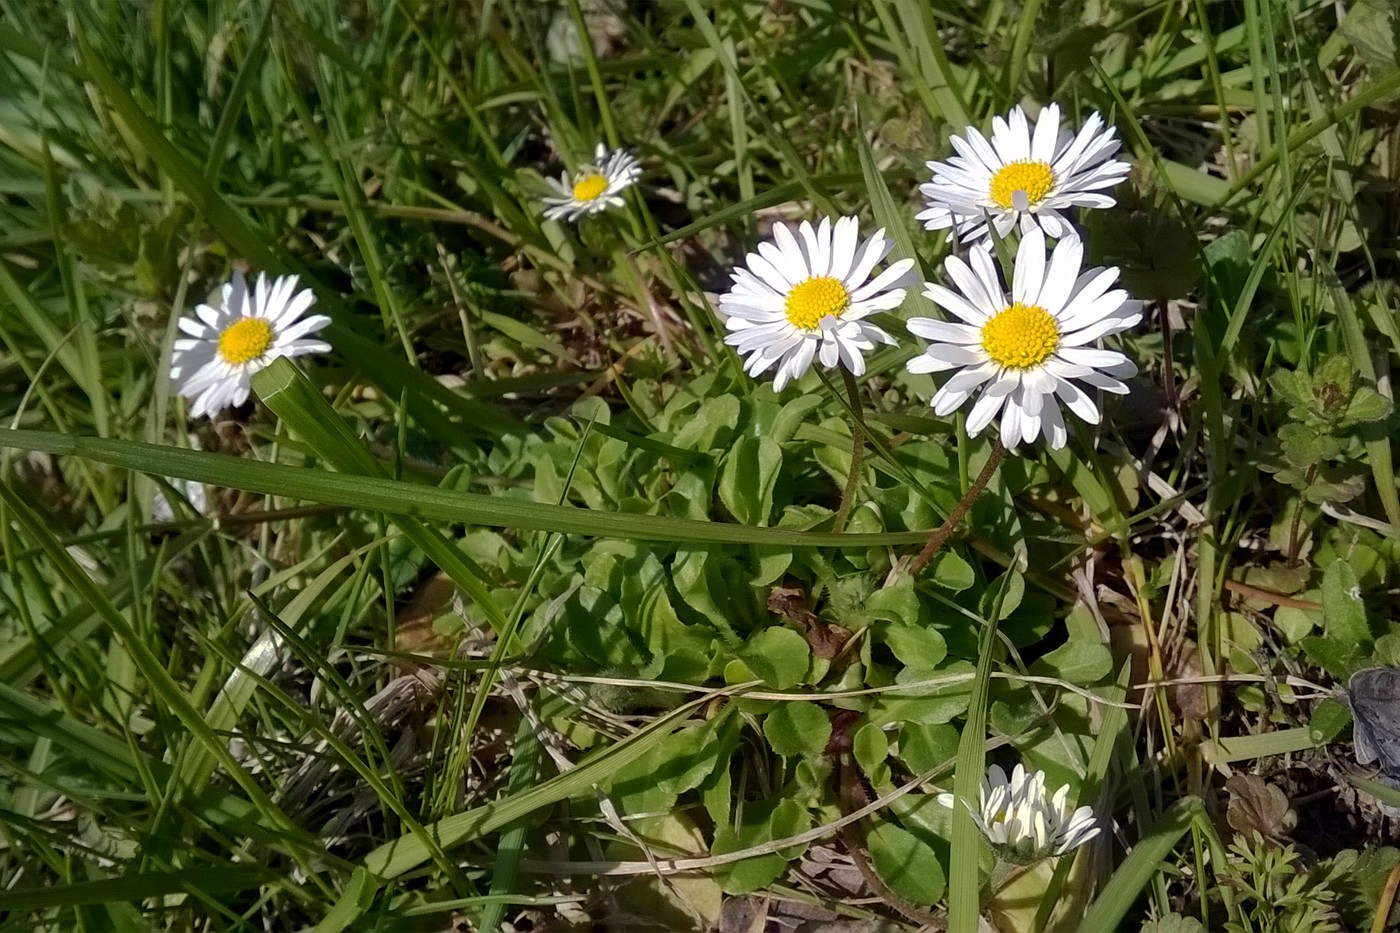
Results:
1329 719
1371 27
916 646
786 818
1337 658
405 498
1366 405
797 729
910 868
1343 612
951 571
925 746
747 478
1079 662
226 879
870 747
1135 873
778 655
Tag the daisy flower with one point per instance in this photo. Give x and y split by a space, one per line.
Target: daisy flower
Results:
1023 821
807 299
221 348
596 187
1023 175
1032 352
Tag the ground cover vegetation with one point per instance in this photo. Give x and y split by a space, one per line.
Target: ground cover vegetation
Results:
741 465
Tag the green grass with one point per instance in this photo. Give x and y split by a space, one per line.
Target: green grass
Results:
478 624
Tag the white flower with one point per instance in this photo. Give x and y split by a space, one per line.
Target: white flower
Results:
1023 821
1032 352
214 362
1023 175
595 187
800 300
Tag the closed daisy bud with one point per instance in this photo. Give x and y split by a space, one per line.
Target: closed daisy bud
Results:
221 348
1023 176
806 297
1027 355
595 187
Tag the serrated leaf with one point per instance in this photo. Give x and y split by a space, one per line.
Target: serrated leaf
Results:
1370 26
797 729
1366 405
905 863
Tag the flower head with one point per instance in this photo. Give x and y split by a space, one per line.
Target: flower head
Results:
1023 821
595 187
806 297
222 347
1023 175
1029 353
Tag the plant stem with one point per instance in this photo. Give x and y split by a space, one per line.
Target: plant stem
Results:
1294 544
950 524
848 496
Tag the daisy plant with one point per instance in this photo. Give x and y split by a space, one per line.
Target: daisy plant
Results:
1023 821
806 298
1026 354
593 188
1023 177
221 348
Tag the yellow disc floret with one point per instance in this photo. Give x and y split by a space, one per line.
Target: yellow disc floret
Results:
1020 337
589 187
1034 178
245 340
815 298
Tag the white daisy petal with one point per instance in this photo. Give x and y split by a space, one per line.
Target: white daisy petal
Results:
214 366
803 299
593 188
1026 822
1022 176
1019 356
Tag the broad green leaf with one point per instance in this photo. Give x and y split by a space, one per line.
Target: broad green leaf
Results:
870 747
1079 662
905 863
925 746
797 729
916 646
778 655
747 478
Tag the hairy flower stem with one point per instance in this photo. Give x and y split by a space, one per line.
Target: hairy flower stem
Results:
848 496
950 524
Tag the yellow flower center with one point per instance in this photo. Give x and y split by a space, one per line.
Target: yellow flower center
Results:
1020 337
245 340
1034 178
814 299
589 187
